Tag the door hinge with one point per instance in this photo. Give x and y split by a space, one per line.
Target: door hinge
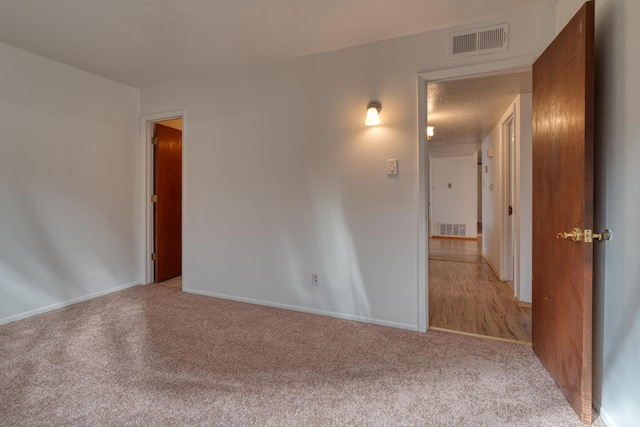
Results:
154 198
154 140
154 256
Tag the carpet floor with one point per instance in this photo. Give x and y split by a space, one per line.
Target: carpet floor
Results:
152 355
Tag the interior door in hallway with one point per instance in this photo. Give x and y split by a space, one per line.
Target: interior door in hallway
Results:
563 132
168 205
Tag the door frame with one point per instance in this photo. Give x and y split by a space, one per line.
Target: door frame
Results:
508 249
147 122
524 63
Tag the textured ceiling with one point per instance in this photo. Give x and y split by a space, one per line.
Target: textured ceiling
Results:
463 112
149 42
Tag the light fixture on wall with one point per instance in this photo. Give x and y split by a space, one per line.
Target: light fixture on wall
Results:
373 109
429 133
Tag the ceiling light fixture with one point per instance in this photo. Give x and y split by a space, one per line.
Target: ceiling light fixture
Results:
429 133
373 109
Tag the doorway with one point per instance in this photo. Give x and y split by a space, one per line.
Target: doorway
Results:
490 160
163 141
167 200
562 110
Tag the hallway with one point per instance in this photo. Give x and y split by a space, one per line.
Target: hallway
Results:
466 296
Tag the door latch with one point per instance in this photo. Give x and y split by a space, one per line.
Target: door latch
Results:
589 235
577 235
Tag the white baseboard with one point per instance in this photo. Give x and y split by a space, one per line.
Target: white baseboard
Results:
305 310
603 414
491 266
56 306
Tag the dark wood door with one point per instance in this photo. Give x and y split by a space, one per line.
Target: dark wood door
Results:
168 207
563 98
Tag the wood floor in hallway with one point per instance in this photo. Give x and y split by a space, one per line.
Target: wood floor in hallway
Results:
466 296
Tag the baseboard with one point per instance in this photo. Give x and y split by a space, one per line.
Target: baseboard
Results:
604 415
63 304
454 238
523 304
491 266
304 309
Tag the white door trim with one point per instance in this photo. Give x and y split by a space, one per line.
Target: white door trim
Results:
507 248
146 127
490 68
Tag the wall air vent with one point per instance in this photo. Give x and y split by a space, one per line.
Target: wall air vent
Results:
459 230
479 41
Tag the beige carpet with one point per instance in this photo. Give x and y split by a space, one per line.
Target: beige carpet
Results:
152 355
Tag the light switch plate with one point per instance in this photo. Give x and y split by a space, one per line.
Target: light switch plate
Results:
392 166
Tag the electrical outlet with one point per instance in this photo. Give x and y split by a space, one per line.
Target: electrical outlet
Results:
314 279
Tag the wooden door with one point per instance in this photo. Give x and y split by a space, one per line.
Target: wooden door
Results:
563 110
168 206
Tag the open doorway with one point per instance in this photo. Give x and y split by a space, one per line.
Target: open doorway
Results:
468 282
163 146
167 200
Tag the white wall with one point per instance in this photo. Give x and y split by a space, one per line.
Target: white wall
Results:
458 204
284 179
69 216
616 350
494 209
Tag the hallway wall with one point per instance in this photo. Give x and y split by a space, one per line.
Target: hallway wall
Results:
494 208
457 204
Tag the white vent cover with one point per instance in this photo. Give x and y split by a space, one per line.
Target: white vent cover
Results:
452 229
479 41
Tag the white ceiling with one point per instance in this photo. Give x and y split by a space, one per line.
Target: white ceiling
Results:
149 42
463 112
143 43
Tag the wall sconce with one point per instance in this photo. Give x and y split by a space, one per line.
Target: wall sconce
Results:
429 133
373 109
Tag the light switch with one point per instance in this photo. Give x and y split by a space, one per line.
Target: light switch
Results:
392 167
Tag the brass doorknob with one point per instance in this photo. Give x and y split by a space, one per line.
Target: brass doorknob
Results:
576 235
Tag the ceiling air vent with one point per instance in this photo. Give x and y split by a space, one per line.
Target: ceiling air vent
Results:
481 40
